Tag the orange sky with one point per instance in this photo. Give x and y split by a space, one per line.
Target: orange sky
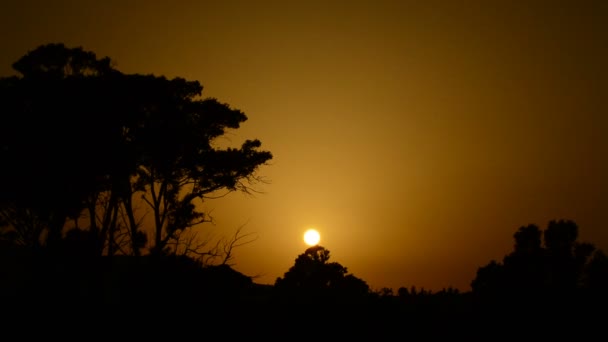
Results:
417 137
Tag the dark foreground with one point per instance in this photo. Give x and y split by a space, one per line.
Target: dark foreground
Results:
103 298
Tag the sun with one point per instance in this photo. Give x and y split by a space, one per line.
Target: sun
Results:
312 237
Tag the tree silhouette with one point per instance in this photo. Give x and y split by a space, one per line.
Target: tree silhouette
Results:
596 274
52 139
550 285
314 287
85 147
543 276
313 274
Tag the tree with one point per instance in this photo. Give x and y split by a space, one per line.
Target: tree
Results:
312 273
52 139
596 274
85 147
550 263
550 283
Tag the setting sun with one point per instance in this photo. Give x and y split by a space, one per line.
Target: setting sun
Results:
312 237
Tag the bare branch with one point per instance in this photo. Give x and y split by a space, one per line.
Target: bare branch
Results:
237 240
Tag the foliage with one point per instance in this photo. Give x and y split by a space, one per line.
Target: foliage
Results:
544 263
313 273
87 147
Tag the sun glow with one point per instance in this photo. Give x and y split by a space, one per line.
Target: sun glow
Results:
312 237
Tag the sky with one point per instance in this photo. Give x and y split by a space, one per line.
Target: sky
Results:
415 136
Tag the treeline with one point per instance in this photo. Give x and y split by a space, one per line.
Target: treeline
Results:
550 283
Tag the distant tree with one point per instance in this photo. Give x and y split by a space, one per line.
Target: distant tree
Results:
525 267
87 147
549 263
403 292
596 274
312 273
385 292
563 268
489 279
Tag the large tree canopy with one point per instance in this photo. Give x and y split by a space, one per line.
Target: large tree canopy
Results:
86 147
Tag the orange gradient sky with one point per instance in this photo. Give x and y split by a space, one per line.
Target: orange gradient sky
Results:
415 136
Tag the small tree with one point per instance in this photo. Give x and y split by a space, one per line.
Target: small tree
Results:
312 273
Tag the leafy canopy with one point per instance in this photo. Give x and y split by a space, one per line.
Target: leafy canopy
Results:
118 157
